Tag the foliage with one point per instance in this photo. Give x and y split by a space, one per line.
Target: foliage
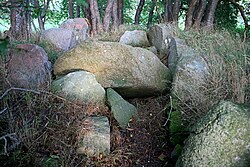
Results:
226 15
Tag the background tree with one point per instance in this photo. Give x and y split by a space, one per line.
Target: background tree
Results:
171 10
138 11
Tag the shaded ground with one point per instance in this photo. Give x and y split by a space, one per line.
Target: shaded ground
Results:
46 124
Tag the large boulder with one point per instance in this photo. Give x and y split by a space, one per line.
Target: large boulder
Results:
79 26
62 39
221 138
157 35
137 38
132 72
79 86
29 67
122 110
93 137
190 73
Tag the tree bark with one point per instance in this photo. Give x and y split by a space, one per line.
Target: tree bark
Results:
138 11
107 15
115 15
70 8
168 11
209 15
20 20
93 17
78 11
86 12
189 16
199 15
98 17
120 12
176 10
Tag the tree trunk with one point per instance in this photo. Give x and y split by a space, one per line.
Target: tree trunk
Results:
107 15
115 15
120 12
199 15
86 12
151 13
138 11
243 15
20 20
98 17
70 8
93 17
168 11
78 11
41 17
176 10
209 15
189 16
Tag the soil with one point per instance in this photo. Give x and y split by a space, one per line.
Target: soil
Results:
53 120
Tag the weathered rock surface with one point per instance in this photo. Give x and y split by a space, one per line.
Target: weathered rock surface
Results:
190 72
132 72
122 110
137 38
61 38
94 137
78 26
80 86
221 138
29 67
157 35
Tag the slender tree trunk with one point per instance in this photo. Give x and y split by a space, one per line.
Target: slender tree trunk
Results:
93 17
151 13
199 15
176 10
70 8
86 12
120 12
168 11
115 15
209 15
138 11
189 16
98 17
78 11
107 15
243 15
42 14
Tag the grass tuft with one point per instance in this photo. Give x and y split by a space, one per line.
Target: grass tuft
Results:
228 60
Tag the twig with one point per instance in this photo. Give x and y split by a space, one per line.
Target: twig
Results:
171 108
16 142
36 92
20 89
1 112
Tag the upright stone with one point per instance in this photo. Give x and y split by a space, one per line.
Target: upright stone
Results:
122 110
136 38
79 26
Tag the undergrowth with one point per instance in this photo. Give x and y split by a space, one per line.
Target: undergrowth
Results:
228 60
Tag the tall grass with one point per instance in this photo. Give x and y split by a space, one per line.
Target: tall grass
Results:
228 60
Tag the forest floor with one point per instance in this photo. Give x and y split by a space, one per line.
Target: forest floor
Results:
45 126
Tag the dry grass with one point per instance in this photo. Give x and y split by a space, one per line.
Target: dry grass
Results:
45 128
114 35
228 61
